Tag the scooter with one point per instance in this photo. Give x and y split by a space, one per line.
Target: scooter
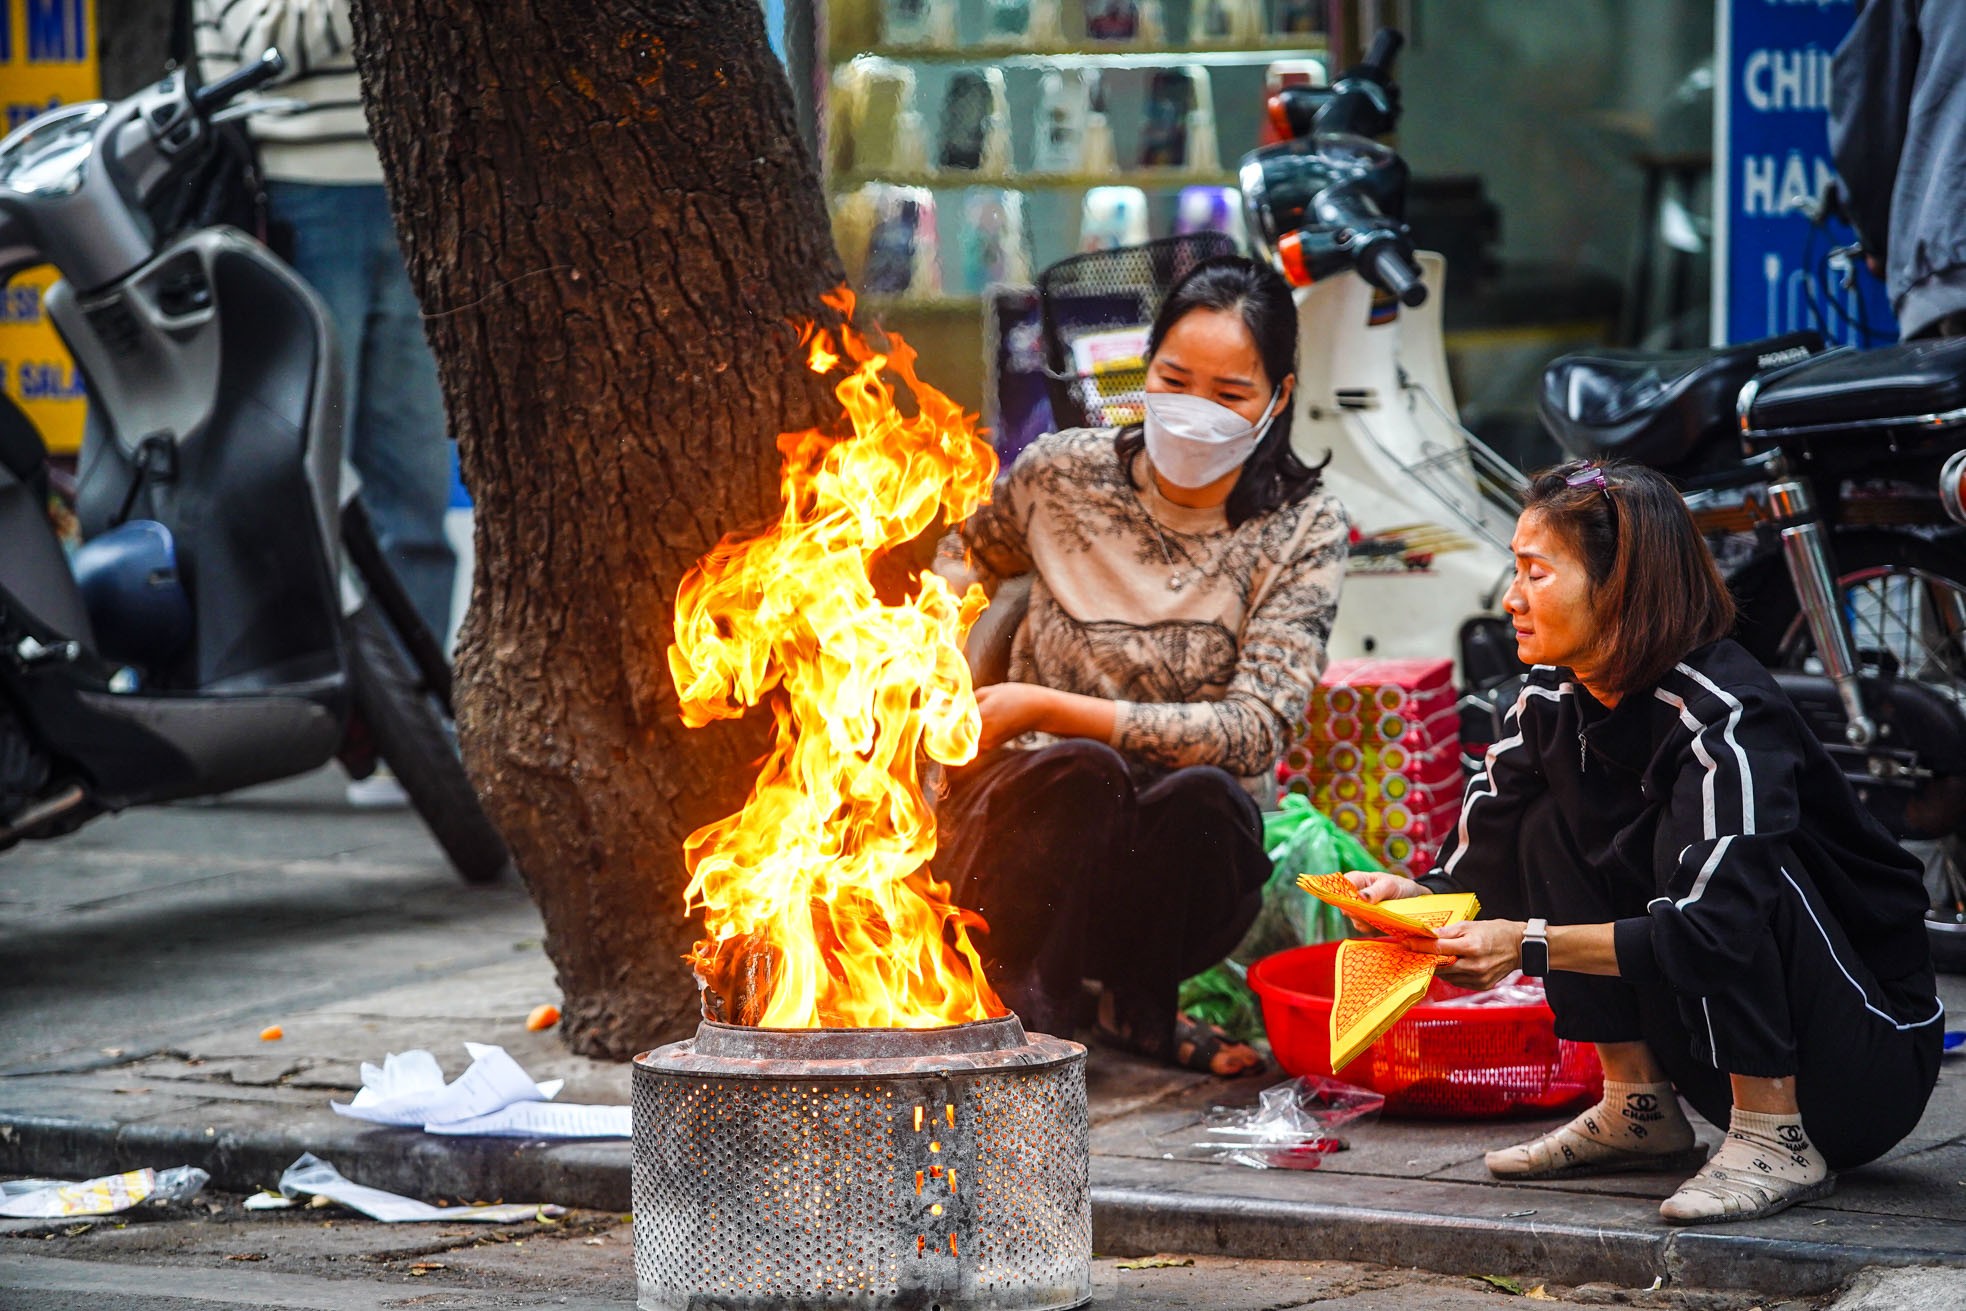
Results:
1432 506
229 618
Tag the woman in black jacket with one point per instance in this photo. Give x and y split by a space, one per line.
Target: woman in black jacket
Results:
1659 831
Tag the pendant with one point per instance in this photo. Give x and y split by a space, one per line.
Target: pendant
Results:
1177 582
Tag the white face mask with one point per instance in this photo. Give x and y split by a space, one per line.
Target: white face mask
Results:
1193 441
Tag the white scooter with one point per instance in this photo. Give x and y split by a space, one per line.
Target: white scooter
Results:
1432 547
1433 507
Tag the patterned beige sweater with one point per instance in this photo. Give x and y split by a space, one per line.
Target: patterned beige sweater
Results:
1214 671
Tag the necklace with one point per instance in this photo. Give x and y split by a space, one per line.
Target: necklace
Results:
1179 579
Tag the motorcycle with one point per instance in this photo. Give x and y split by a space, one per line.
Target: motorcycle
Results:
1840 477
1833 480
229 618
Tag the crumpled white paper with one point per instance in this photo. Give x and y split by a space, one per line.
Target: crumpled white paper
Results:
310 1176
495 1097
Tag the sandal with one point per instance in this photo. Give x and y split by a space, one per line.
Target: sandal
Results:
1195 1045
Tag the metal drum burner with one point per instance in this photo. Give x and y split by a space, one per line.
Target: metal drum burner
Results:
913 1169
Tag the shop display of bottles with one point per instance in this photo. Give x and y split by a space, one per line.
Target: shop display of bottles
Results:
1040 25
878 128
976 140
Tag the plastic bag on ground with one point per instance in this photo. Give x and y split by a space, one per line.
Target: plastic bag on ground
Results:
1291 1127
48 1199
310 1176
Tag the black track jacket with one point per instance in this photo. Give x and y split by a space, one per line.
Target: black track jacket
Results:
1696 798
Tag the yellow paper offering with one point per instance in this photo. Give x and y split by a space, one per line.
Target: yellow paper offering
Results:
1375 980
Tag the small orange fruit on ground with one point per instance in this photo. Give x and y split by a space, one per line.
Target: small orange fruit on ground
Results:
272 1033
543 1017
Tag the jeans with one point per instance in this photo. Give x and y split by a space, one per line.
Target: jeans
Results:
344 245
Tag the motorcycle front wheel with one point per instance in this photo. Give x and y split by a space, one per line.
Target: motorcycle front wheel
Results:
1905 597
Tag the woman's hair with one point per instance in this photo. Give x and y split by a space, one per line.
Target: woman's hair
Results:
1655 590
1273 475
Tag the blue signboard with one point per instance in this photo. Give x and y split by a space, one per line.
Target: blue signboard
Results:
1776 269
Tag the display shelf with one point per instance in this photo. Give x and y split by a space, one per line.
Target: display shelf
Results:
949 305
1147 179
1089 55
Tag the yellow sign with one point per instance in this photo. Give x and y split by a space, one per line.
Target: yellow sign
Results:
47 58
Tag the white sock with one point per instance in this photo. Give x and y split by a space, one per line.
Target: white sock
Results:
1632 1120
1765 1163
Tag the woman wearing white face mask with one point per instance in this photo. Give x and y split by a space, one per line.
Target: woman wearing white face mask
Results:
1184 576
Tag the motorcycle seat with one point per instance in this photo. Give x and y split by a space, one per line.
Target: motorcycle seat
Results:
1654 407
1917 383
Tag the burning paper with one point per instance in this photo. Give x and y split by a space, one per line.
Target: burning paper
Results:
817 899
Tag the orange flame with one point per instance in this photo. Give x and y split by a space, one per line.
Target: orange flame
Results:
820 884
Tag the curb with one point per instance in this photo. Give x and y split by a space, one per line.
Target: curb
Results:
1132 1219
246 1148
245 1157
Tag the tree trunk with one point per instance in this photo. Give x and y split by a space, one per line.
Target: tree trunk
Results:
615 232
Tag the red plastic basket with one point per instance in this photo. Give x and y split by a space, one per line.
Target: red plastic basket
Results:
1448 1063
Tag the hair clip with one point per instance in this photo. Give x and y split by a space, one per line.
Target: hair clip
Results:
1590 476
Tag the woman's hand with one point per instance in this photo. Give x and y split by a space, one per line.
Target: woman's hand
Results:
1376 887
1011 710
1485 951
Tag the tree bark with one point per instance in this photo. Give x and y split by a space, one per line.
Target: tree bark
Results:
615 232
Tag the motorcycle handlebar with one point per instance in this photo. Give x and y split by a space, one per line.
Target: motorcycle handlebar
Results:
1385 48
1394 268
1382 253
233 85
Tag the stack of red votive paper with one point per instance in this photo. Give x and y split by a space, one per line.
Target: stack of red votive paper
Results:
1380 753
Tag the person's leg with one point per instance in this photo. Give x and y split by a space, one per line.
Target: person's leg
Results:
1021 835
401 447
1827 1067
331 248
331 256
1637 1125
1194 874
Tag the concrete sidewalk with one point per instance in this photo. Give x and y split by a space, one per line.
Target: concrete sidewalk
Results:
140 959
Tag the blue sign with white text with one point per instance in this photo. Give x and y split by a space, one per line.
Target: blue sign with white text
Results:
1777 269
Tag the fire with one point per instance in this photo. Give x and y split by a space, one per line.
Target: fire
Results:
819 906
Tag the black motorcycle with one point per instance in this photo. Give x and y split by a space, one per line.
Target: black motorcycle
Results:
1838 477
228 618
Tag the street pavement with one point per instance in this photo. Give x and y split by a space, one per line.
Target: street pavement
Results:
230 1259
141 958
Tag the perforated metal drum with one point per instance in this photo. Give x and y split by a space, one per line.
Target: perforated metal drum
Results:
931 1170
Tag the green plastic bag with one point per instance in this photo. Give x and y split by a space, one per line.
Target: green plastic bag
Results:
1301 839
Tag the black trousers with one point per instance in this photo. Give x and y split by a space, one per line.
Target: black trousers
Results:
1084 870
1806 1006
